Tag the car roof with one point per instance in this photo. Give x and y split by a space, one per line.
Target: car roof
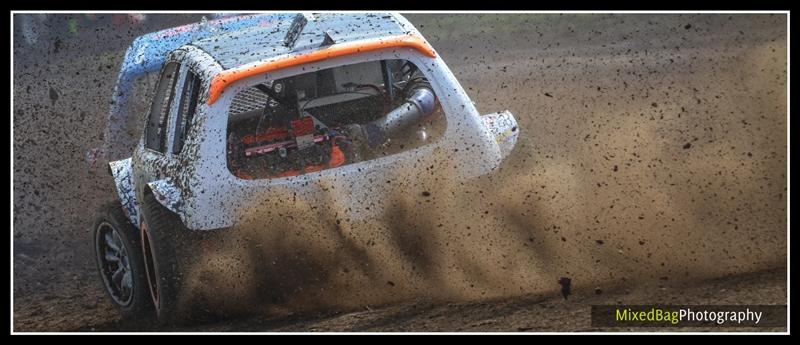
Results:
241 47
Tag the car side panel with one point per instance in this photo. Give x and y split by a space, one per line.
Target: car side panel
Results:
122 171
168 195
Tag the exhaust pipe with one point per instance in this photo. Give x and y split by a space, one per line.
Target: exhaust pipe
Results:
418 104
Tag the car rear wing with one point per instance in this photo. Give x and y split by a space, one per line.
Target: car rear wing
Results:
147 54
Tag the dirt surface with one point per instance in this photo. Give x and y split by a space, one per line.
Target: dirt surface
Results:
527 313
652 159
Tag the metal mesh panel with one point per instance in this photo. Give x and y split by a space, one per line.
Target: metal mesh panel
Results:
248 100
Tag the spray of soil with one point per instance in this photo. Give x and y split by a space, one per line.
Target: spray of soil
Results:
667 178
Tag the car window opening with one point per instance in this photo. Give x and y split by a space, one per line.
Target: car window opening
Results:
329 118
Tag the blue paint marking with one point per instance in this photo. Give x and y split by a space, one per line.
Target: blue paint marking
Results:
148 52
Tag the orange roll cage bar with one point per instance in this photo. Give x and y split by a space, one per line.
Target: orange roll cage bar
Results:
227 77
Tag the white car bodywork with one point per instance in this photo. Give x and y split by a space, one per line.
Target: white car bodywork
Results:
197 185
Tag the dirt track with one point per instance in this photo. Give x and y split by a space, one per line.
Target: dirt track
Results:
653 153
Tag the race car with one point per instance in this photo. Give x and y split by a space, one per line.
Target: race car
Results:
247 106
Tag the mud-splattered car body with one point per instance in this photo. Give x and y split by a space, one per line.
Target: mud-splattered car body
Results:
190 176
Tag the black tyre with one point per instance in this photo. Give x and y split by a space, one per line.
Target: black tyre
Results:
164 240
118 253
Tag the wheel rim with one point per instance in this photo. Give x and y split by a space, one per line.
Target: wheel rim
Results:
149 266
115 265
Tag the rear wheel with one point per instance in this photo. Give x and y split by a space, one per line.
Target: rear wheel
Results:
119 260
164 240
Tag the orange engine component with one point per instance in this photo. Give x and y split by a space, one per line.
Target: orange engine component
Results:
271 134
337 159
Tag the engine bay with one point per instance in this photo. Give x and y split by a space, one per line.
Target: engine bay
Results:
329 118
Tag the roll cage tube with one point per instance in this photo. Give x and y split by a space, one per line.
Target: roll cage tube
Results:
227 77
